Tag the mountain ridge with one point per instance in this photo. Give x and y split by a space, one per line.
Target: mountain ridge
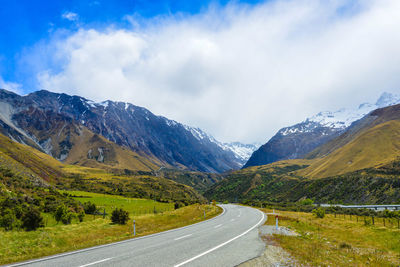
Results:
299 140
154 137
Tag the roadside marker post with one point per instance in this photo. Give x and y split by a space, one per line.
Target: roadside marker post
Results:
134 228
276 219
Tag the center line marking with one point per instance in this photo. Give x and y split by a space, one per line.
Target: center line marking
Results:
93 263
221 245
182 237
232 220
217 225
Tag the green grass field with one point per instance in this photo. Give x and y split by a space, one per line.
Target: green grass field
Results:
57 238
135 206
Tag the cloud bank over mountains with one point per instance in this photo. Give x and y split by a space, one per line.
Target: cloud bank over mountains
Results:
240 72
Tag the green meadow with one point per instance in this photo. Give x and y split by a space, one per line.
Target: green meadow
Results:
135 206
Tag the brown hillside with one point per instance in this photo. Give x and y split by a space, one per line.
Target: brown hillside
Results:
374 147
93 150
371 120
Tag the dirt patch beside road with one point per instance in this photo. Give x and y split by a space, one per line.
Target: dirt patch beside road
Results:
273 255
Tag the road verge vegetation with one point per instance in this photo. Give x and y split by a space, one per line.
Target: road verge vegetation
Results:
94 230
339 240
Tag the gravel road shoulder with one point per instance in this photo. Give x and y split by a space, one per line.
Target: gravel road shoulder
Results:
273 254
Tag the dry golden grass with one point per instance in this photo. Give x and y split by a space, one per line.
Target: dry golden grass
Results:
115 156
20 245
377 146
278 164
25 160
339 241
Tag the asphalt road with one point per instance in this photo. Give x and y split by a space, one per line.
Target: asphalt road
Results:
227 240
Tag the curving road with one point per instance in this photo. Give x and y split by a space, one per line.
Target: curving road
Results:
226 240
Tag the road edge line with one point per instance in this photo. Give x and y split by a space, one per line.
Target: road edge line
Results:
223 244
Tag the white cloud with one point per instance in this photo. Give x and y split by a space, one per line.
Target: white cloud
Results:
239 72
10 86
71 16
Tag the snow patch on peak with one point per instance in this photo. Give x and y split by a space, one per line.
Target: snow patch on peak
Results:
200 134
105 104
343 118
340 119
169 122
387 99
241 151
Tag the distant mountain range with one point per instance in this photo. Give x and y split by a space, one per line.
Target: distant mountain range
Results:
76 130
360 166
300 139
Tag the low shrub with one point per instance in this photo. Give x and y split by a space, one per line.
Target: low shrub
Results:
32 219
63 214
319 213
119 216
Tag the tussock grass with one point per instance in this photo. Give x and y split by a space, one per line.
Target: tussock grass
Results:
20 245
375 147
339 241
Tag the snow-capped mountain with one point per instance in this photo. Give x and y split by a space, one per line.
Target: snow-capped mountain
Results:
343 118
55 123
298 140
241 151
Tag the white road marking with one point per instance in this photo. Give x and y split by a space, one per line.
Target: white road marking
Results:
232 220
113 244
223 244
240 213
182 237
93 263
217 225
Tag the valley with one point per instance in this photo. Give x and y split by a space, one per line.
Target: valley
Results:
181 133
71 162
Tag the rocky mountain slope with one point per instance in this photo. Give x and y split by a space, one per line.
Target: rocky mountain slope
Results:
54 123
372 141
25 170
360 166
241 152
300 139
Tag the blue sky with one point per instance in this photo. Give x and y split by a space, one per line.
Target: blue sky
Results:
228 67
23 23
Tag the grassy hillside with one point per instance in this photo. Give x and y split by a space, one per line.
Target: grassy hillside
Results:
29 163
39 169
198 180
360 166
268 182
373 119
374 147
280 182
93 150
138 185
